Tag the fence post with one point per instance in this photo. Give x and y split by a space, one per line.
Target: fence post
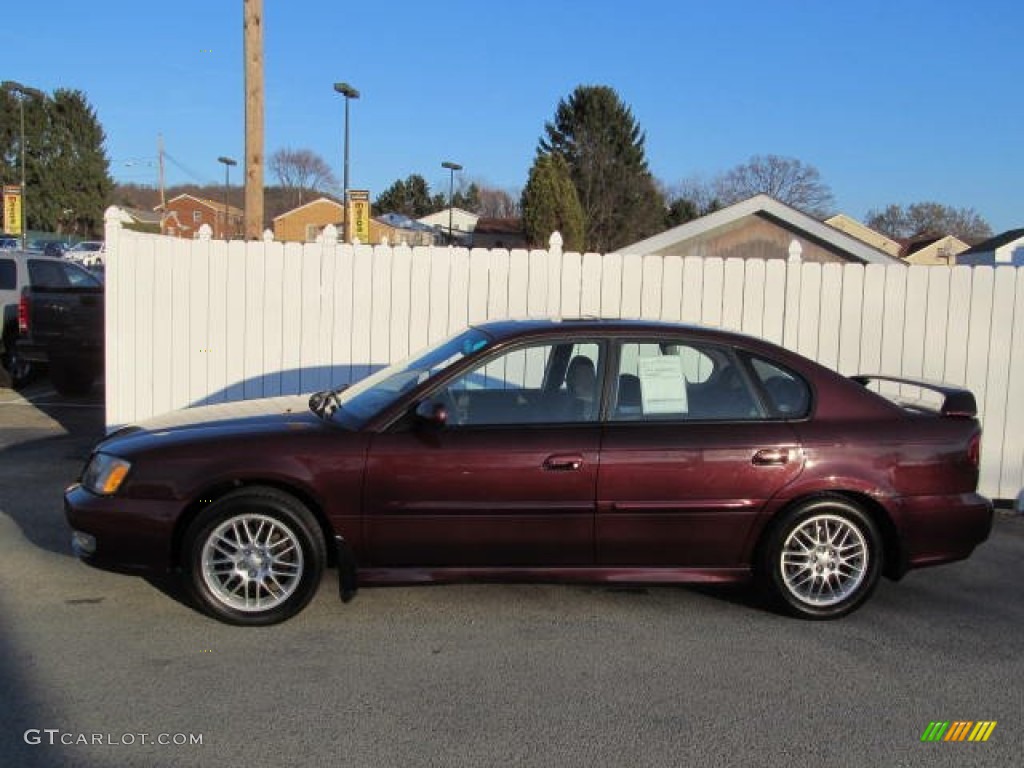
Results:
113 227
555 244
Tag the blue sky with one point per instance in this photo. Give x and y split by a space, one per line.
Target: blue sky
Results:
893 100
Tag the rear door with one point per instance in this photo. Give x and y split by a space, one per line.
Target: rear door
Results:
692 450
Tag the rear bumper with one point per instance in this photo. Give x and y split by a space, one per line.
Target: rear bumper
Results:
33 353
132 535
83 355
943 529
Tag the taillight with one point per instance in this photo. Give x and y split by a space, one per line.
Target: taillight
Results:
974 450
23 314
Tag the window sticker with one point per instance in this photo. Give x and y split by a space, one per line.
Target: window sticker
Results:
662 388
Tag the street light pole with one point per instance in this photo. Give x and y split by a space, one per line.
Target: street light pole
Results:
228 162
22 91
452 167
349 93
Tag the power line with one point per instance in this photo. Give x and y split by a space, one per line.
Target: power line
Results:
188 171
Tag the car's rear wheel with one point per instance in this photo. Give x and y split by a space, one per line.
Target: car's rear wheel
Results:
254 557
20 370
822 559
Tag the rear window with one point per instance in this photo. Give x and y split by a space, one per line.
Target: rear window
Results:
46 274
8 275
58 274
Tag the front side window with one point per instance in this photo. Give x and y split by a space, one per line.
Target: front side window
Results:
553 382
673 380
371 395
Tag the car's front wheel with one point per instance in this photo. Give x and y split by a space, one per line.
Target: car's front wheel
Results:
822 559
254 557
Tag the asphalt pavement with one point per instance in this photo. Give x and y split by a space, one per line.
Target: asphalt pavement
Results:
97 668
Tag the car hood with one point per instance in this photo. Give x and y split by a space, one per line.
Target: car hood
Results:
264 416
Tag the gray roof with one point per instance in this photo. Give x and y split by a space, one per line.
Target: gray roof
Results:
401 221
773 209
995 242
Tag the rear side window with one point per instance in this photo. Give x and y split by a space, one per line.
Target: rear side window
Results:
8 275
668 380
788 394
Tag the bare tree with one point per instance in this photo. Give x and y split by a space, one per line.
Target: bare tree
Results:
698 191
302 171
497 203
786 179
929 219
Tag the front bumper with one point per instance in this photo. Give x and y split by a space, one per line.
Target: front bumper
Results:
134 535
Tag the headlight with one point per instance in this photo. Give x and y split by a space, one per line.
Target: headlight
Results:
105 474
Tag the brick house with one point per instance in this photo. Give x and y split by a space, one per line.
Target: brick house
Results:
305 223
186 213
499 233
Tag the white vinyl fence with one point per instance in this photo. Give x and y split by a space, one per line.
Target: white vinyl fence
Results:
204 321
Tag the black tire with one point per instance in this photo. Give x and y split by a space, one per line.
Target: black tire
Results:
72 380
271 575
821 559
20 371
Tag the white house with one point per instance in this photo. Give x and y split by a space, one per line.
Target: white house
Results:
462 222
1006 249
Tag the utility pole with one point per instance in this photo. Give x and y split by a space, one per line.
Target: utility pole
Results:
163 196
253 33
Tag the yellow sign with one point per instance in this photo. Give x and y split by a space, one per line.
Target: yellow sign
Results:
359 215
12 210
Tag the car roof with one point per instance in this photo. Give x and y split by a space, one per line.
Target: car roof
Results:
502 330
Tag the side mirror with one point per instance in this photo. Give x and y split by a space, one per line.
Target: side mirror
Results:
433 413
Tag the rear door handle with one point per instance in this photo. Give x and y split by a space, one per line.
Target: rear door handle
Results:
564 463
767 457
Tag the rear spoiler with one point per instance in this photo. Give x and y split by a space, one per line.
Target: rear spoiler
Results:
957 401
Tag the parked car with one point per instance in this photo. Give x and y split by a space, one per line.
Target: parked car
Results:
88 252
60 324
9 243
55 248
601 451
20 270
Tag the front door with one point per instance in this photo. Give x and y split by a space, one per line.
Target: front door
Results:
510 480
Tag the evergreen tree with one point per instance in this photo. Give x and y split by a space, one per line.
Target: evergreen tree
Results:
550 204
66 166
410 196
603 147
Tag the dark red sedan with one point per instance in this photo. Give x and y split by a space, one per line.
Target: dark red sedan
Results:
575 450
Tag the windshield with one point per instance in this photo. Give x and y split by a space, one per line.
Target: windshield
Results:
373 394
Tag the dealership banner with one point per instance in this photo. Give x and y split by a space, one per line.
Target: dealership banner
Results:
12 210
359 215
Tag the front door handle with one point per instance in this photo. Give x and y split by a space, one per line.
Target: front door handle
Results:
768 457
564 463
